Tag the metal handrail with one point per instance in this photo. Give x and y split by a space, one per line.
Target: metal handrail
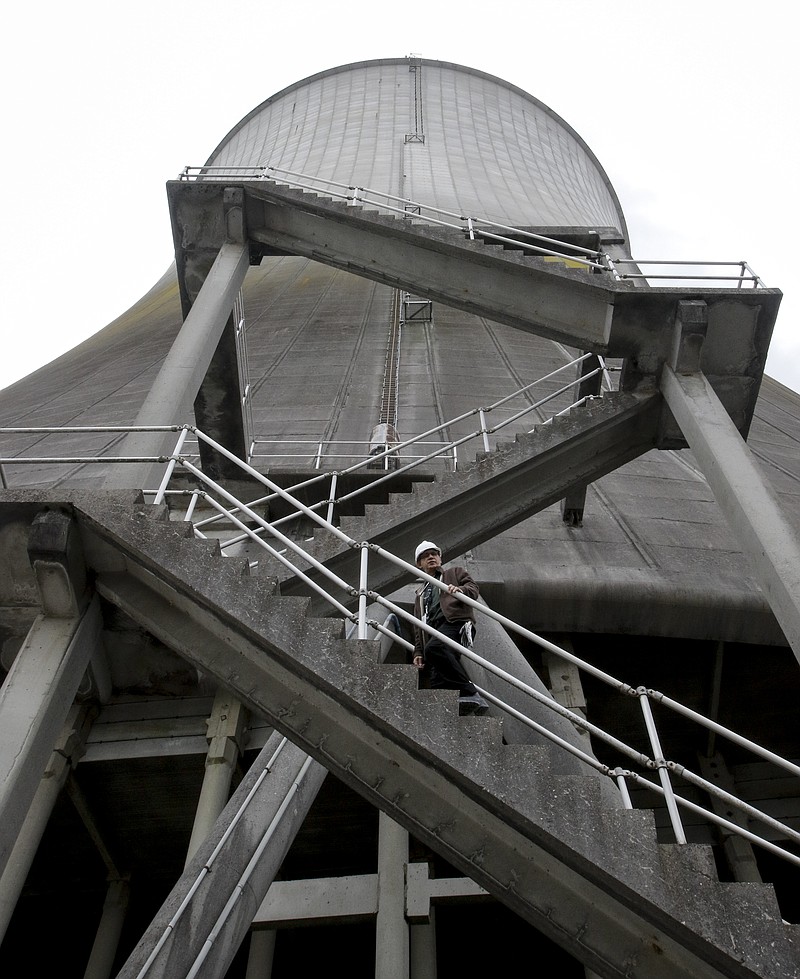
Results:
255 527
392 452
656 762
471 226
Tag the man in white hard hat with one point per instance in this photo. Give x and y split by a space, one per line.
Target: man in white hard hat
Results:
443 611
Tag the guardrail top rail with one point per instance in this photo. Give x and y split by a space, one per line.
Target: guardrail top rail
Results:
655 763
249 524
473 226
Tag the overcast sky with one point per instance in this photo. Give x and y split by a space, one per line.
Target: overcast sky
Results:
692 108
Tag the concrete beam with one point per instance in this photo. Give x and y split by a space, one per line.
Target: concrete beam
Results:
572 506
465 276
345 900
34 702
751 507
200 926
319 901
464 509
65 755
452 786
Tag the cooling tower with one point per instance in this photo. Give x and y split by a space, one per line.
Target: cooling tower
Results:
404 306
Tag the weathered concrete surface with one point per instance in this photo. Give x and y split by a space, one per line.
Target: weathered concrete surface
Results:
593 880
223 885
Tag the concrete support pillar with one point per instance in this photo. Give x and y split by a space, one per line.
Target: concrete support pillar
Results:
573 504
225 732
745 498
391 939
66 753
262 951
104 950
566 686
422 949
34 703
738 851
171 397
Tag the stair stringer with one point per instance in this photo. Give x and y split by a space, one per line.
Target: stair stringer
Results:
497 491
594 881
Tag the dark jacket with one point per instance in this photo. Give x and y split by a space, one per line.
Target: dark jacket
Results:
452 608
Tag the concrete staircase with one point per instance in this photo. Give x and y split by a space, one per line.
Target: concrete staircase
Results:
498 490
595 881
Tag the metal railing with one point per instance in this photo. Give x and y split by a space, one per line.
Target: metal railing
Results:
743 275
396 459
652 771
656 772
472 227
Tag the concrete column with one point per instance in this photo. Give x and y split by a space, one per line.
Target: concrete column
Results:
738 850
573 504
225 732
171 397
104 950
68 749
566 686
422 949
748 502
391 940
262 951
34 704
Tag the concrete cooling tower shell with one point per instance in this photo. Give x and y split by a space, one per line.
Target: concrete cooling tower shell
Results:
651 585
439 133
317 339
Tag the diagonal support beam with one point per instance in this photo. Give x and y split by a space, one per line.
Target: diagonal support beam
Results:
565 309
467 508
749 504
170 400
208 913
537 857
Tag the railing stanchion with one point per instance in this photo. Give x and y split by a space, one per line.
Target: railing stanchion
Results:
192 504
482 416
362 592
622 785
332 499
159 497
660 762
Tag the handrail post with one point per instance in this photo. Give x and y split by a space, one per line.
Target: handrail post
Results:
362 591
191 507
482 416
162 488
622 785
663 774
332 499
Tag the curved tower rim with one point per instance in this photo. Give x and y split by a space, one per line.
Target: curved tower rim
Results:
432 62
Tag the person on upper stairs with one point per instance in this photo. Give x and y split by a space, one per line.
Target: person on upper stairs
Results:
443 611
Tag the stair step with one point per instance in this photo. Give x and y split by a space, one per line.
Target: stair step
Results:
496 810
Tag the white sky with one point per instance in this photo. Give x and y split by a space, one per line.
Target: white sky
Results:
691 106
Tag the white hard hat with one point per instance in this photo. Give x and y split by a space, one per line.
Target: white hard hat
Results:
426 545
